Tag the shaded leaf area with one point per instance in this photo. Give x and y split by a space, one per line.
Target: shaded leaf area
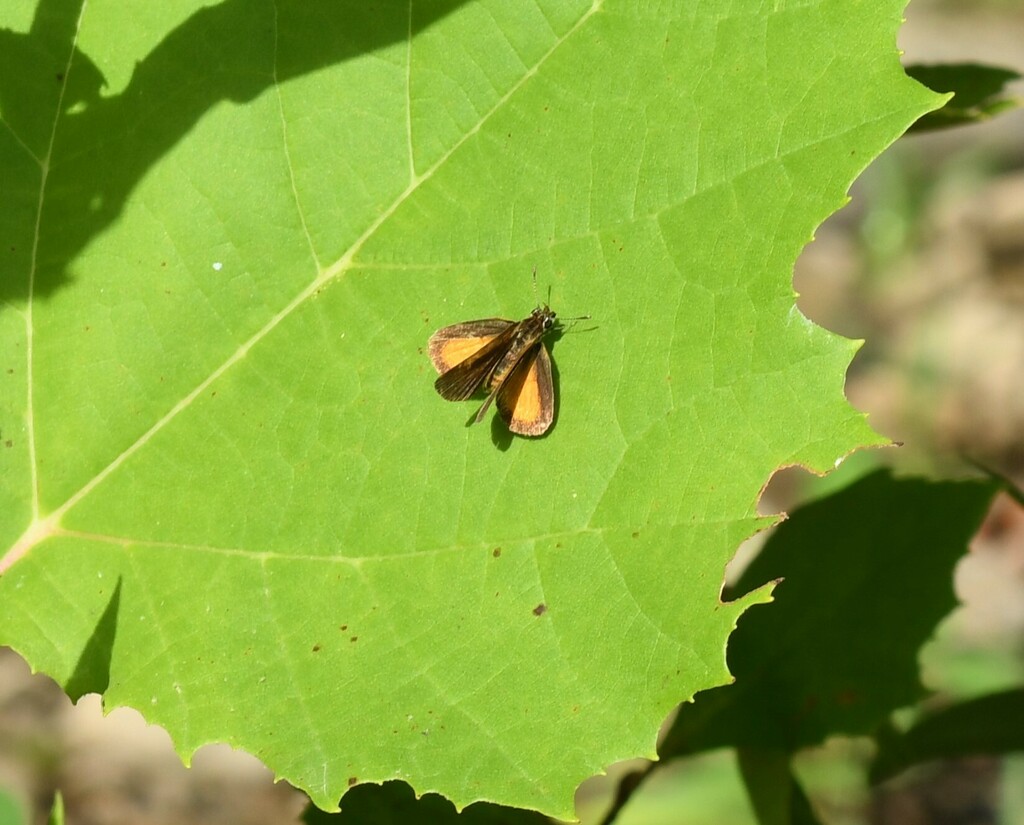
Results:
986 725
866 575
394 803
233 499
979 93
186 74
776 796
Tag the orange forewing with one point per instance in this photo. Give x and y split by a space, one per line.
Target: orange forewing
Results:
453 345
454 351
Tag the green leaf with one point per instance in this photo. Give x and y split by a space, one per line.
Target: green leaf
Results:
986 725
232 498
866 574
11 812
57 816
978 93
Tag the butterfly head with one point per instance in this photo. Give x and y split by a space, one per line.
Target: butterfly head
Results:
547 319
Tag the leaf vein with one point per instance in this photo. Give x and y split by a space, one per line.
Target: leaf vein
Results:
30 424
287 150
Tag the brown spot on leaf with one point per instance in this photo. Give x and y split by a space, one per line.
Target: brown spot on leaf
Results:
316 648
353 780
496 552
540 609
354 639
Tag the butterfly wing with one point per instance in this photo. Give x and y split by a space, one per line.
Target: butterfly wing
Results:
466 354
452 345
526 398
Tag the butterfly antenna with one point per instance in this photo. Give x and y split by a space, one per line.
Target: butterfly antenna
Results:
563 321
